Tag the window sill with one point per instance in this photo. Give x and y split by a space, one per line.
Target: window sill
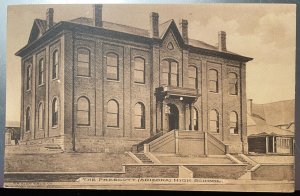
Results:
82 76
111 80
55 79
40 85
83 126
116 128
28 91
54 127
213 92
139 83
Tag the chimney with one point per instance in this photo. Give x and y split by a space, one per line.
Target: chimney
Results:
184 30
97 14
249 106
154 31
49 17
222 41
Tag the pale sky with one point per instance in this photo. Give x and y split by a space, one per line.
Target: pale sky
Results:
264 32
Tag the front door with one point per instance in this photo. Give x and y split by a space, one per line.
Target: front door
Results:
173 117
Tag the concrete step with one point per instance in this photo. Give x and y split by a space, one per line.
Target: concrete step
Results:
249 165
143 158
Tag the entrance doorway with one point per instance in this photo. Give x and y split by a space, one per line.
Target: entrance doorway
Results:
173 117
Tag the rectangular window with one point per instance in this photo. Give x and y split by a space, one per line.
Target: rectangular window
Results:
139 70
83 62
112 66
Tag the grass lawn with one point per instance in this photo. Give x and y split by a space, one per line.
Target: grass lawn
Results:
66 162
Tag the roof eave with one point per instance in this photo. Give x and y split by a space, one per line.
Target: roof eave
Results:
220 53
44 36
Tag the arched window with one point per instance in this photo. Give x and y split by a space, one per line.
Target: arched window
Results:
112 113
233 84
41 72
139 70
234 123
193 80
27 120
83 62
214 121
139 116
112 65
83 111
28 77
55 112
55 64
213 85
41 116
169 73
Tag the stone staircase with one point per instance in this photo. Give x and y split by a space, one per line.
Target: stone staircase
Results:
143 158
241 159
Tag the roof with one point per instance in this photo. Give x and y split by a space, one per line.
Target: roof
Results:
276 113
40 26
258 127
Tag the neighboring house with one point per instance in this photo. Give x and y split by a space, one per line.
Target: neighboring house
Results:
92 85
270 127
12 132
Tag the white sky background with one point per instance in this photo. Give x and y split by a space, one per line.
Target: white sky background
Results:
264 32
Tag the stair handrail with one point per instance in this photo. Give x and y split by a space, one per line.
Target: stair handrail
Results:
140 146
222 146
164 137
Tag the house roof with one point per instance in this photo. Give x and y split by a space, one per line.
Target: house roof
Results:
40 26
276 113
256 126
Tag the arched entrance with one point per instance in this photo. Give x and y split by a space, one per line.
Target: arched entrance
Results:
173 117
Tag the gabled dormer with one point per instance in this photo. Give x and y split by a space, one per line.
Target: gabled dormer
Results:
170 36
40 26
